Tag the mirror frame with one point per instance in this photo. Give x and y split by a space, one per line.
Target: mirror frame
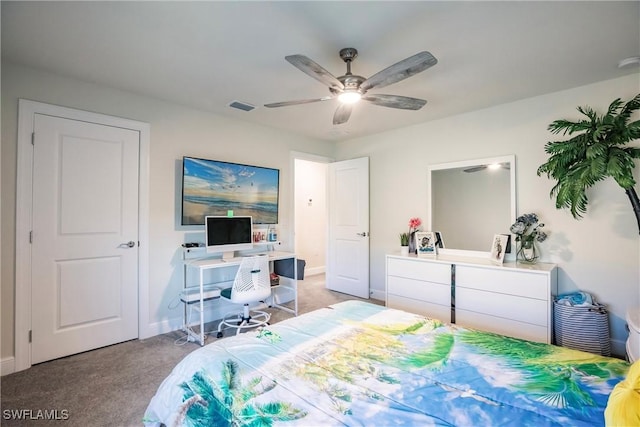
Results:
511 159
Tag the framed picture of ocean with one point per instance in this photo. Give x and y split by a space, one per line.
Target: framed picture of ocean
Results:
213 187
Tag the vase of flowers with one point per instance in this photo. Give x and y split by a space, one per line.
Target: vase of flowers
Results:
404 244
414 225
528 232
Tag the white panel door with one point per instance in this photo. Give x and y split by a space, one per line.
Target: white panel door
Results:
348 244
85 237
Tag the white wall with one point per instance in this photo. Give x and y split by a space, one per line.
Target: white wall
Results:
311 214
598 254
175 131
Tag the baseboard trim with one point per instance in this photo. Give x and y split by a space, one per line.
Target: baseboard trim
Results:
218 308
314 270
7 366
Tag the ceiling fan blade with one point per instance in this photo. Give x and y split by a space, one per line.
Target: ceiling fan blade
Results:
342 114
311 68
400 70
475 169
298 102
395 101
492 166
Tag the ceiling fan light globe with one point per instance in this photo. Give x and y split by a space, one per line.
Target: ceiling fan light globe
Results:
349 97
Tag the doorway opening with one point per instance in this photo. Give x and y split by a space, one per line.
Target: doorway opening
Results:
310 213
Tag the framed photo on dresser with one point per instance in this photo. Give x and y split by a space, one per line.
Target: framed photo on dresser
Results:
498 248
426 243
439 240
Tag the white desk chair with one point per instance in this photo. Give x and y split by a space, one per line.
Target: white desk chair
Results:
251 285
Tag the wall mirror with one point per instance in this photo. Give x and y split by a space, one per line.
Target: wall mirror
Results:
470 201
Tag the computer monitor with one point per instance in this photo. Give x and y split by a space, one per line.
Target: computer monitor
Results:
227 234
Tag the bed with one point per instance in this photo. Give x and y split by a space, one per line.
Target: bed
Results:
360 364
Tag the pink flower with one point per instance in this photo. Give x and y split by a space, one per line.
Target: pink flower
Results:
414 223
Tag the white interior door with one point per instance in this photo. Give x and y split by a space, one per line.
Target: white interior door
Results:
348 243
85 236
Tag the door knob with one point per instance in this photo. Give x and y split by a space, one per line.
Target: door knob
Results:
129 244
363 234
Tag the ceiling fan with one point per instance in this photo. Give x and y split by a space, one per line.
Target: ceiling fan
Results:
350 88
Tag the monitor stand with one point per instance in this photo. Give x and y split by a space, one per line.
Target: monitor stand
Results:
228 255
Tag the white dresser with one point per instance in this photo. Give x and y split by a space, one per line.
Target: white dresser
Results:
511 299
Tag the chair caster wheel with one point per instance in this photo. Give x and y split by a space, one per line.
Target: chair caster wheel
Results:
219 335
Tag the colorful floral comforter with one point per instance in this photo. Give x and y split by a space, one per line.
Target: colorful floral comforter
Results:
359 364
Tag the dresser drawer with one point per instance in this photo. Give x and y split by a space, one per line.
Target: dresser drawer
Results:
528 310
419 270
419 290
427 309
525 283
509 327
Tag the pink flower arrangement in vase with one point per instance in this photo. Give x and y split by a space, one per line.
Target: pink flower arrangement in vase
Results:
414 225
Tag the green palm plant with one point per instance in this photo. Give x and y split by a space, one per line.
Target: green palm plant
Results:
228 403
597 151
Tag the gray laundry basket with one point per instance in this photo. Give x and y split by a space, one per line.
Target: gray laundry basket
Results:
583 328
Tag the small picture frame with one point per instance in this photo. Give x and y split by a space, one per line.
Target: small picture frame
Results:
439 240
425 244
498 248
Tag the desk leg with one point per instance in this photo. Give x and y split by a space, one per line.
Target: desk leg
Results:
201 307
295 286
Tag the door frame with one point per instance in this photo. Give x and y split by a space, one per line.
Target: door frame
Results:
299 155
27 110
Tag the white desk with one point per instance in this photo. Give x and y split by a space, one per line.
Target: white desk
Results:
204 264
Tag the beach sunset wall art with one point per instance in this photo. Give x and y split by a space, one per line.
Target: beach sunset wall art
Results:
211 187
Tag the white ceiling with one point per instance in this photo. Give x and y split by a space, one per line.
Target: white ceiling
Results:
208 54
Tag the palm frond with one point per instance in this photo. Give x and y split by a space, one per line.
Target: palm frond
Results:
634 130
568 127
559 391
511 348
438 352
619 165
402 329
633 152
209 405
229 403
614 107
384 377
596 152
629 108
266 414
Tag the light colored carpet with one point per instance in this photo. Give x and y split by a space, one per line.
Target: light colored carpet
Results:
112 386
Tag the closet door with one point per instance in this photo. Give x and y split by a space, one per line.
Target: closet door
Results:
85 236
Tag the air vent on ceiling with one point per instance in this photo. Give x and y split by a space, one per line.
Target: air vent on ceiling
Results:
241 106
